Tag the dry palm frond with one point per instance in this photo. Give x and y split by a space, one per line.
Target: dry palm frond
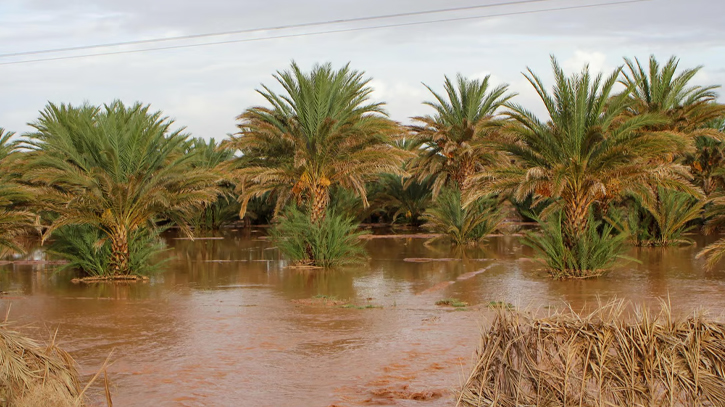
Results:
610 357
31 372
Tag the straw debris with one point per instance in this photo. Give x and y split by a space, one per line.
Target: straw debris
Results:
610 357
30 372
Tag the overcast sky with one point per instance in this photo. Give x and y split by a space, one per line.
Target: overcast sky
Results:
205 88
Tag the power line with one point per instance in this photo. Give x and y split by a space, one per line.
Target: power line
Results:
326 32
273 28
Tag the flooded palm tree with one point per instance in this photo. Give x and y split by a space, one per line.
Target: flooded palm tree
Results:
118 169
449 141
322 131
587 154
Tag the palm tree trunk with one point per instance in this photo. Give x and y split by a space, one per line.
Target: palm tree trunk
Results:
576 214
465 172
120 257
320 200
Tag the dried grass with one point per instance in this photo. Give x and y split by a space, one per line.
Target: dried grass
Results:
30 372
610 357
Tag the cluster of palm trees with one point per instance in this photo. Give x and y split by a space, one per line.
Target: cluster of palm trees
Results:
636 156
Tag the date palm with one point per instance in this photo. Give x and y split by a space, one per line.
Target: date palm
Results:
587 153
449 141
322 131
116 168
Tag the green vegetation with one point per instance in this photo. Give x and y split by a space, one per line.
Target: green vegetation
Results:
636 156
85 249
590 153
501 305
591 255
15 219
450 141
467 225
117 169
402 201
210 156
664 221
323 131
452 302
331 241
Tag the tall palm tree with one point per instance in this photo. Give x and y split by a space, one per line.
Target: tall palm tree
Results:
321 132
586 153
116 168
449 140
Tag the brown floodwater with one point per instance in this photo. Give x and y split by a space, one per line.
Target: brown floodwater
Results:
228 324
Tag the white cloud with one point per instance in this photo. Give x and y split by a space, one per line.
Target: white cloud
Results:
595 60
205 88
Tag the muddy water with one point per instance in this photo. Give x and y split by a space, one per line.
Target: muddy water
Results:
229 325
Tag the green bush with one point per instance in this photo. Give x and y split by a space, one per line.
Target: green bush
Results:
662 222
402 201
467 225
333 241
591 256
88 250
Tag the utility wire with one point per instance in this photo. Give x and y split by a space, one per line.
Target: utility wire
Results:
327 32
273 28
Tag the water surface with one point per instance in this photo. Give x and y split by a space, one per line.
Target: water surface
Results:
228 324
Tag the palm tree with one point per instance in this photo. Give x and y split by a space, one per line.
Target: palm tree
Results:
15 219
449 140
661 90
119 169
587 153
323 131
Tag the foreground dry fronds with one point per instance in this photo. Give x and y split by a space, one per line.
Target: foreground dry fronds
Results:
30 372
611 357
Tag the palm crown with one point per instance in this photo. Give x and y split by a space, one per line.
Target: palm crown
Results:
322 131
660 89
450 139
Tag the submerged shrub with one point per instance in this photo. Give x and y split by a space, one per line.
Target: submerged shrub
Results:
332 241
468 225
88 250
593 254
